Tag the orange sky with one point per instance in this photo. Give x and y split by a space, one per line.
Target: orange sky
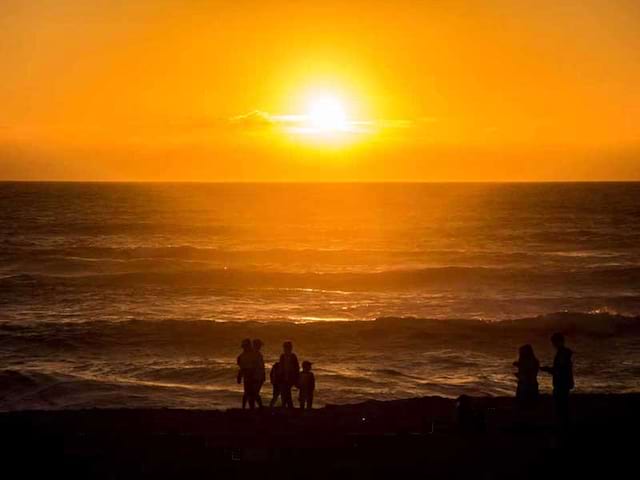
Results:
203 90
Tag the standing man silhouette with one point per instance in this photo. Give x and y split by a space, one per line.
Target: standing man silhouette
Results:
247 362
290 370
562 371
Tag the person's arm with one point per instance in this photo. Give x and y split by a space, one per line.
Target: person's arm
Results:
313 382
260 368
296 370
296 364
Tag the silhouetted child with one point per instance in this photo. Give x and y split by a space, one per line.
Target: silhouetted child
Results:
275 376
528 366
307 385
290 372
260 374
562 371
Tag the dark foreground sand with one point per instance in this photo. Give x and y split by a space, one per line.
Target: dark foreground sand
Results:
402 439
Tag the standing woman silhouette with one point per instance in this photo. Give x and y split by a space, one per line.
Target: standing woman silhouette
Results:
527 374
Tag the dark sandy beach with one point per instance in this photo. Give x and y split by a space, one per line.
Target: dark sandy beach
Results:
368 440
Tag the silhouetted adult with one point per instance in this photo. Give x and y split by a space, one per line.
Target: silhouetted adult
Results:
247 362
290 369
528 366
260 373
275 376
562 371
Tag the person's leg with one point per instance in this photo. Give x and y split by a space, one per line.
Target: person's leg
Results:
258 398
249 391
244 401
310 401
287 401
274 396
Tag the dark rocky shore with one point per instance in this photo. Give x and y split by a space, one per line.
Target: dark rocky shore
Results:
370 440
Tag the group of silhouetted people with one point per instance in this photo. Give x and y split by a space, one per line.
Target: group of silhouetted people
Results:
284 376
562 371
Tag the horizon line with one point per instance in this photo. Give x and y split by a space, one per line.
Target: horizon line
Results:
312 182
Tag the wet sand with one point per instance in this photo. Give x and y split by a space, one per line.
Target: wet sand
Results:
369 440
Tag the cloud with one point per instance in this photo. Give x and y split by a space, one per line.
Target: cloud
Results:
261 121
255 120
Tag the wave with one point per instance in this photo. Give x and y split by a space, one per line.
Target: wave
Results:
10 247
96 260
206 337
451 277
36 389
187 375
110 227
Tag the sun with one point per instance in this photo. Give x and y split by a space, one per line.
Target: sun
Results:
326 114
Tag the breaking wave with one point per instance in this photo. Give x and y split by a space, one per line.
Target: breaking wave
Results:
208 335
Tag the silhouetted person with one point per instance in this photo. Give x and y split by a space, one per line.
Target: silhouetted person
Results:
260 373
307 385
290 373
247 362
275 376
562 371
528 366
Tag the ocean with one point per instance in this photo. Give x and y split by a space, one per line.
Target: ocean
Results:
139 294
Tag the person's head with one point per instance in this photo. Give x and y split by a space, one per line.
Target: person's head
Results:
557 339
287 347
257 344
246 344
526 352
306 366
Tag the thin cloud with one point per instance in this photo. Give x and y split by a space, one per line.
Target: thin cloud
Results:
259 120
256 119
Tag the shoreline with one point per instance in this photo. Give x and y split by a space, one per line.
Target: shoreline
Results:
364 439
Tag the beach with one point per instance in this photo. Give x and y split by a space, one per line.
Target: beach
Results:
373 439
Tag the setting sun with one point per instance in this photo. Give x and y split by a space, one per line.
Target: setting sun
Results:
326 114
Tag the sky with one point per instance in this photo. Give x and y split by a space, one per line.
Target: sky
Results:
196 90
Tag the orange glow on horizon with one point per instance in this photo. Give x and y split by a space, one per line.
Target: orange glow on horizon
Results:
359 91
